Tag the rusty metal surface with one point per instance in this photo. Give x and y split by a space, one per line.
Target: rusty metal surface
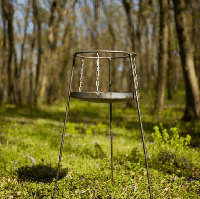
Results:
102 97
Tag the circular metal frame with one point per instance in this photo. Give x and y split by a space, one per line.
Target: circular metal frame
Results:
125 54
102 97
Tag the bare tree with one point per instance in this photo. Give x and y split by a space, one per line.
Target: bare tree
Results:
113 44
170 66
196 36
182 11
38 22
127 4
3 89
142 27
163 57
8 12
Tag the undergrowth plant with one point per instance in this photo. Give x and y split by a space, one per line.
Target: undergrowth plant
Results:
169 152
163 140
100 129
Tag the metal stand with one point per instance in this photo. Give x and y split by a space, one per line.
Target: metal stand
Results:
111 134
135 83
64 128
104 97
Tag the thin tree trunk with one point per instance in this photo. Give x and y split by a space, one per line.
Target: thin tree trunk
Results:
131 32
163 57
154 50
175 71
184 30
148 63
95 28
113 43
8 12
21 64
52 44
3 88
144 12
39 53
196 40
30 96
17 80
170 67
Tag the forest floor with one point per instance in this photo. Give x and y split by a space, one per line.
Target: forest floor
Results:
30 143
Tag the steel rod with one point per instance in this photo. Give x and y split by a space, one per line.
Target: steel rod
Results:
64 128
111 140
145 152
111 133
141 127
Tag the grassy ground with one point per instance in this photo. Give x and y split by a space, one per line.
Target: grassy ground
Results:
30 142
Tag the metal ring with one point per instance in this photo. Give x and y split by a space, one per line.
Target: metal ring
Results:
126 54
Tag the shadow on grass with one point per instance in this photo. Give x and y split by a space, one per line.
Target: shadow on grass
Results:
39 173
177 167
87 113
78 114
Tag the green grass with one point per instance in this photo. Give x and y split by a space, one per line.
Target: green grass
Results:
30 143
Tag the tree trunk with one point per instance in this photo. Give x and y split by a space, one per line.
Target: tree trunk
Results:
95 27
39 52
31 58
183 25
196 38
113 44
8 12
154 49
170 67
144 12
3 90
51 90
17 80
148 63
175 71
21 64
131 32
163 57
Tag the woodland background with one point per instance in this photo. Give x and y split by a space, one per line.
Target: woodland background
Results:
38 39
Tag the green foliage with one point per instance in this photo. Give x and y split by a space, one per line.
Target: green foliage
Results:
165 142
70 128
100 129
170 152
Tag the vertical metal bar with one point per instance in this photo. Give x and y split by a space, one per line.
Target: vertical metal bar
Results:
64 127
141 128
111 134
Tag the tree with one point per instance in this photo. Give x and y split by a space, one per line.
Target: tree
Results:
8 12
163 57
182 12
3 71
38 22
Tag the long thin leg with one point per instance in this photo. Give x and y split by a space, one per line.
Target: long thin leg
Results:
135 83
111 134
111 139
64 129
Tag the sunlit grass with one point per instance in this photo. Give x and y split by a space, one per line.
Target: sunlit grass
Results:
30 143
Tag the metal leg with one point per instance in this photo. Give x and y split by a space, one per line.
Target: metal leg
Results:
111 134
135 83
145 152
111 139
64 129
